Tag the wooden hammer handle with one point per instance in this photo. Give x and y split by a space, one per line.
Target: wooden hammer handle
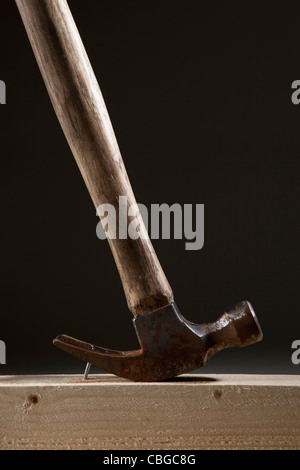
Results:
78 103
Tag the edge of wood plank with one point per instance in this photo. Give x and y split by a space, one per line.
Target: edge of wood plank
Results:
190 380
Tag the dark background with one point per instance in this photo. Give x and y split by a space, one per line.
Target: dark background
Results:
199 95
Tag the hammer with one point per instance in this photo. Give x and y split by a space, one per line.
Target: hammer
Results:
169 344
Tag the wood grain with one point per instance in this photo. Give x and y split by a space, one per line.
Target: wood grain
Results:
80 108
193 411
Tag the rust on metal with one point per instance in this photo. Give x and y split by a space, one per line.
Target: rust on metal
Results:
170 344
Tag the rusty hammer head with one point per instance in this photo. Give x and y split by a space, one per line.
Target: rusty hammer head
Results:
170 344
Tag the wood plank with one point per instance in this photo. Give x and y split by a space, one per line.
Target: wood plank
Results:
193 411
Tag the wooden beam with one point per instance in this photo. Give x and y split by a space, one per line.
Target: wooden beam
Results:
193 411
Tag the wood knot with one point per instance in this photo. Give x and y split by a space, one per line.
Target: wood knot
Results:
217 394
33 399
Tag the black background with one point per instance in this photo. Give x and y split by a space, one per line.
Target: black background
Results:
199 94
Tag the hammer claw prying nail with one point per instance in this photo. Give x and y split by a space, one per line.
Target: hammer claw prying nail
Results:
169 344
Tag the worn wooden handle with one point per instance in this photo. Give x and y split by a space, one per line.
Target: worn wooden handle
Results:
78 103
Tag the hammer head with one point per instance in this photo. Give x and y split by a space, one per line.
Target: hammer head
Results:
170 344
